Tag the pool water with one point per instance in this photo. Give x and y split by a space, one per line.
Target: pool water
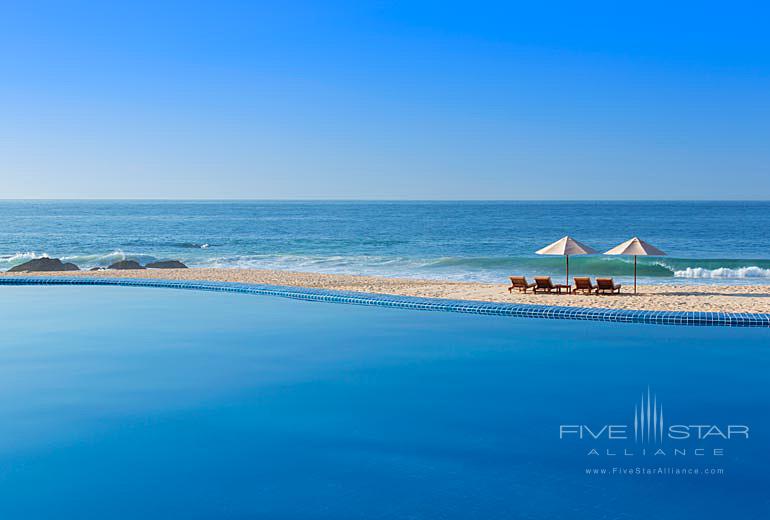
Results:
122 402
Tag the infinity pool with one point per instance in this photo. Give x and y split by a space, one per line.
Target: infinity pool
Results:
121 402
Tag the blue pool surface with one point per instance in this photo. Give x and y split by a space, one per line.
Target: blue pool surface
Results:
123 402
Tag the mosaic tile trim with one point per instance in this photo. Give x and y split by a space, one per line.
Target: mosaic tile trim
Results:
426 304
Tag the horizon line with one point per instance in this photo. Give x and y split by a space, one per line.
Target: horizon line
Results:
321 199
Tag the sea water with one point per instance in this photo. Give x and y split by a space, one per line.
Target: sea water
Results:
706 242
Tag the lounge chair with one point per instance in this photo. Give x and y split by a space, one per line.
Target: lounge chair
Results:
544 284
605 285
584 285
520 283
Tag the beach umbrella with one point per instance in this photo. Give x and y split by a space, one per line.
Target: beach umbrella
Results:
566 247
635 247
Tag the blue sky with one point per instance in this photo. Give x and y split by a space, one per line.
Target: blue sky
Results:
401 100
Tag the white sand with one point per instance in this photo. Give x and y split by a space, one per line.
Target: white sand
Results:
713 298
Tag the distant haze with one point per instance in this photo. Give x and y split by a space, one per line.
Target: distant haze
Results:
411 100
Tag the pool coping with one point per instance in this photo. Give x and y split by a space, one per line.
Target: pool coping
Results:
521 310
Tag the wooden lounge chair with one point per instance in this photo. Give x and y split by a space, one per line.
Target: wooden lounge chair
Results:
605 285
520 283
544 284
583 284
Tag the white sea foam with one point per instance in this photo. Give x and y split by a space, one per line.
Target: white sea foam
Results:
401 267
98 258
105 259
306 262
82 260
751 271
19 258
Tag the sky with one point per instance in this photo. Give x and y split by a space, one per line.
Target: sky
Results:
384 100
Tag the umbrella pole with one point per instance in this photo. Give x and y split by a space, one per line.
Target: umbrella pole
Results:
634 274
567 269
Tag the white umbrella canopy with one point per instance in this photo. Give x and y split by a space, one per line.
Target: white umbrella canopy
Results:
635 247
567 246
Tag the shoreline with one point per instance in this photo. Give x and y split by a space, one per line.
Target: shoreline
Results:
754 299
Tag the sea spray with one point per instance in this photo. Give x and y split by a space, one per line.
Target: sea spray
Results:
750 271
8 261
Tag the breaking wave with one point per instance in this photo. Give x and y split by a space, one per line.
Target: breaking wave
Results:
81 260
19 258
751 271
485 269
495 268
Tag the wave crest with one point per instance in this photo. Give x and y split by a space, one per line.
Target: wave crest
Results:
751 271
20 258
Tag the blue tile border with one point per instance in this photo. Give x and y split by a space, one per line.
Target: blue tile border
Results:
521 310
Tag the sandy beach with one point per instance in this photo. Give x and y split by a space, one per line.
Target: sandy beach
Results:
710 298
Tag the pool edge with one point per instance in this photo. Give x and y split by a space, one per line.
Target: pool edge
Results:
521 310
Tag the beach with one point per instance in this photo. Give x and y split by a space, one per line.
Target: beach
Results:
694 298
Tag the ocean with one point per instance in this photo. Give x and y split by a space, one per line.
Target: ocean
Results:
706 242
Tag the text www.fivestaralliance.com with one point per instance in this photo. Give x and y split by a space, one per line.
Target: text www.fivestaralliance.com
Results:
655 471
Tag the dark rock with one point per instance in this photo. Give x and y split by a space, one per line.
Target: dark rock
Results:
97 269
167 264
126 264
43 264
